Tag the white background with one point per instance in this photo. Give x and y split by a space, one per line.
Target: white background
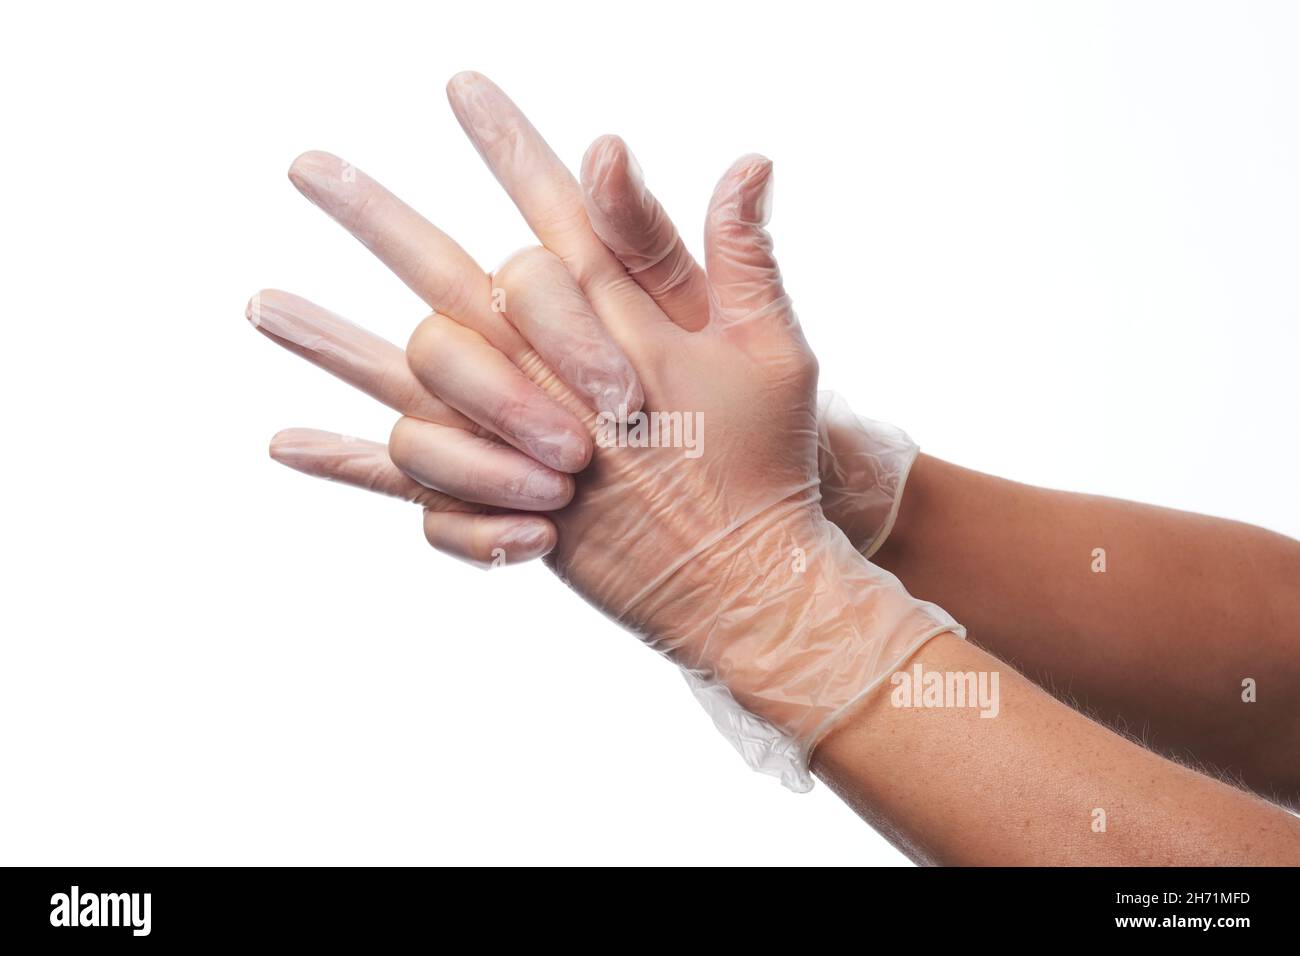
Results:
1056 242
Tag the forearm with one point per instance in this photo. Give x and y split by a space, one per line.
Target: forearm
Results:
1037 784
1187 608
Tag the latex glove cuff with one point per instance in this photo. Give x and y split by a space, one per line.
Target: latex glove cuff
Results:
864 465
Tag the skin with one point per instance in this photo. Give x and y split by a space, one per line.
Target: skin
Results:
1188 607
948 787
1043 752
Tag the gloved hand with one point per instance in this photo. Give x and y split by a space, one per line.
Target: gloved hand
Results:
722 561
864 463
506 447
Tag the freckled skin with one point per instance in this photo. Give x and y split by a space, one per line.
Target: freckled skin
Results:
1188 606
947 787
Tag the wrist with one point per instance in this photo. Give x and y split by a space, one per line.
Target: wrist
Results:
803 626
915 499
864 466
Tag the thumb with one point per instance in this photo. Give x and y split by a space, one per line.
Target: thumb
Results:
745 287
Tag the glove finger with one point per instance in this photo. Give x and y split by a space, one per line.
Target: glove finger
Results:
470 468
475 378
458 528
550 200
429 261
543 302
636 228
357 356
489 541
472 464
745 289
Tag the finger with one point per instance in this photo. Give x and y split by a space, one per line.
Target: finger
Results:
453 527
745 287
470 468
464 462
357 462
360 358
464 369
543 302
635 227
424 257
445 277
533 176
489 540
457 461
550 200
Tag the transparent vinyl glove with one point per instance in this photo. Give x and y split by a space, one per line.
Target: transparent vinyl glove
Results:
699 526
864 466
864 463
725 562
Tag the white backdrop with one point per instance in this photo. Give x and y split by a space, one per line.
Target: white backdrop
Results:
1056 242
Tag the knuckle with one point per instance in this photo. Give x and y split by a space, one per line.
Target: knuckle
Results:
428 343
525 267
431 524
450 292
402 442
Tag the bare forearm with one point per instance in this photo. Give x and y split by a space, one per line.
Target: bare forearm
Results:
1037 784
1186 609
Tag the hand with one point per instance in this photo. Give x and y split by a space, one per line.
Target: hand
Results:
506 446
863 463
723 561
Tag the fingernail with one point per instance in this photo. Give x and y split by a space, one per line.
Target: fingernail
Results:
326 180
292 319
634 174
543 484
756 194
301 448
619 397
563 451
635 177
526 542
595 164
606 378
600 163
472 96
253 311
282 315
294 445
599 371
